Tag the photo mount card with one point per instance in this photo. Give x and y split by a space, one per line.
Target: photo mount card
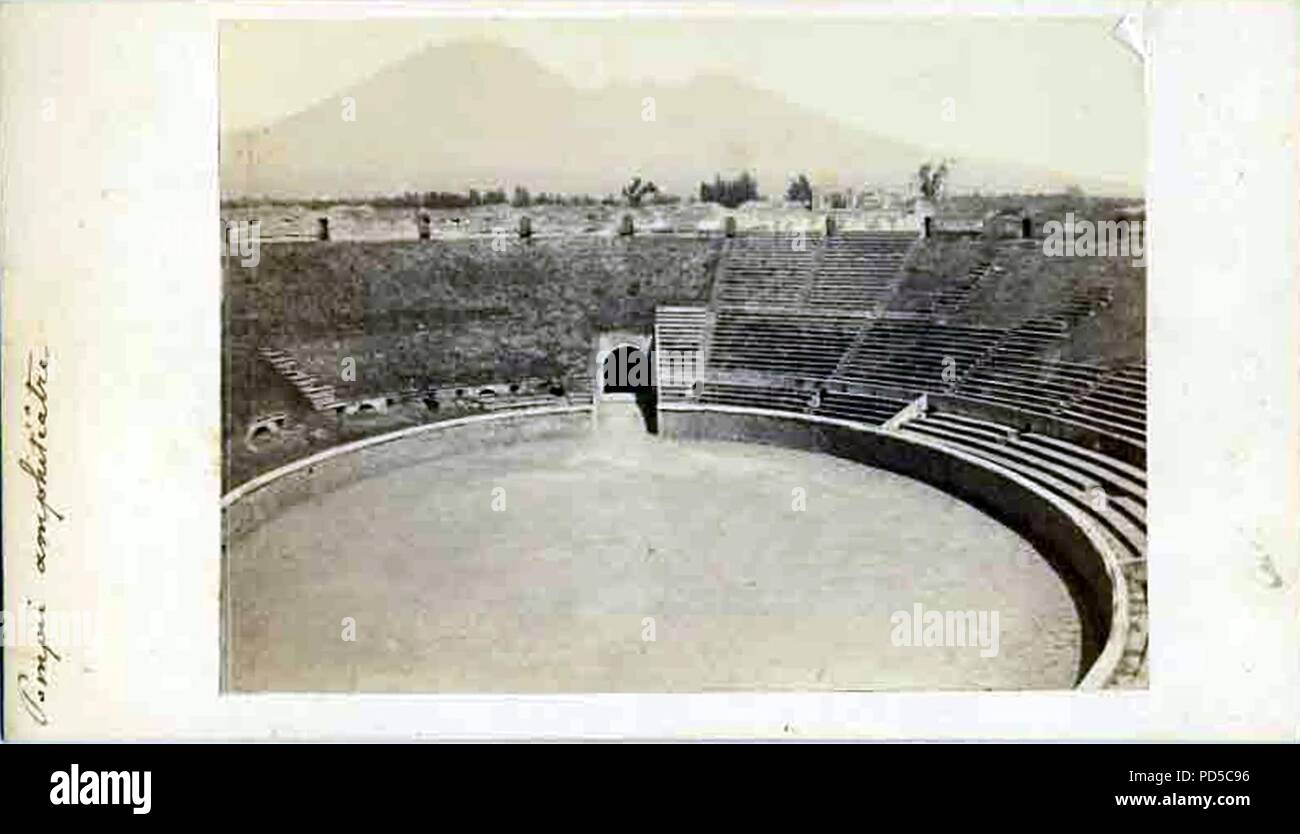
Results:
658 374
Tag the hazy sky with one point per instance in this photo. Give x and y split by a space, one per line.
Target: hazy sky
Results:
1059 93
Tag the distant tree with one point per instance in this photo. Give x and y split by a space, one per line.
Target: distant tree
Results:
730 193
636 190
800 191
444 199
930 180
521 199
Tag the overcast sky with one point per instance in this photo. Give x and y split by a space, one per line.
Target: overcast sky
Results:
1060 93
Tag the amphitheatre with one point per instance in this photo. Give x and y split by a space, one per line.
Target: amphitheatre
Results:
847 416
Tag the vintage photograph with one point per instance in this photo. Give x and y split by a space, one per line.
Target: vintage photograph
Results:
636 354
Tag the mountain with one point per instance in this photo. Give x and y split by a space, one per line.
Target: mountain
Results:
476 113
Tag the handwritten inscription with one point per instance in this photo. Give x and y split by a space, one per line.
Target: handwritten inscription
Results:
35 460
34 684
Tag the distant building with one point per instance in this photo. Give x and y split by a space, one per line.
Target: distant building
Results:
870 199
951 220
1009 223
829 200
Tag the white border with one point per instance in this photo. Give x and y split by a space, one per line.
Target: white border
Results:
129 302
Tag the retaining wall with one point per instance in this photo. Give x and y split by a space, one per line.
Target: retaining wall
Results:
1068 539
249 504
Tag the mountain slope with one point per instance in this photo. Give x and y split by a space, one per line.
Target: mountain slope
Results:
478 113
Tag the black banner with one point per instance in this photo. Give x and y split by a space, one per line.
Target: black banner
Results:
210 782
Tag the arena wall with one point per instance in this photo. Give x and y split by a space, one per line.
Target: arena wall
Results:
1066 538
1061 429
249 504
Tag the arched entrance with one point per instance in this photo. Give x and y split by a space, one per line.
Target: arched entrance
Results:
626 373
626 369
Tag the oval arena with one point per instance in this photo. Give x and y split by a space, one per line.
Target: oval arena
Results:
835 448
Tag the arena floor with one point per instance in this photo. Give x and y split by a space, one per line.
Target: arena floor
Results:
624 562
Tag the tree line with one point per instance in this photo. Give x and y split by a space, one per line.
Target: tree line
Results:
730 192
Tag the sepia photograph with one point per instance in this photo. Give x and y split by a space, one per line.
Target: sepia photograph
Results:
659 355
578 371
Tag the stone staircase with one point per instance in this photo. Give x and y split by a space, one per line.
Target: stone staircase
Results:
952 299
679 349
321 396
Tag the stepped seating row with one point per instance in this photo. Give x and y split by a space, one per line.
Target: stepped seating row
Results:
1025 342
1075 305
766 269
988 360
1000 367
1036 333
904 332
1114 492
1106 424
1108 491
855 271
679 342
886 242
776 397
859 270
804 345
851 290
844 406
861 408
915 355
866 250
1079 474
1080 304
773 242
1130 430
767 284
788 251
1031 381
1123 391
1083 394
1117 403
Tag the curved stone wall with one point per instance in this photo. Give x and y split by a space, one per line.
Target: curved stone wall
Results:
1061 533
1064 536
246 506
